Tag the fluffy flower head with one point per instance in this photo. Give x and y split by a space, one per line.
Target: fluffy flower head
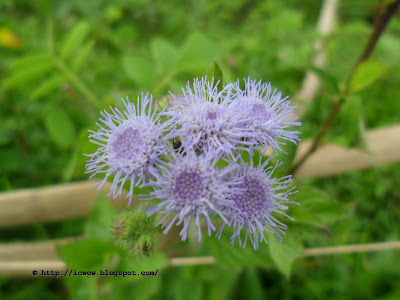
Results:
268 114
204 119
190 187
259 198
131 143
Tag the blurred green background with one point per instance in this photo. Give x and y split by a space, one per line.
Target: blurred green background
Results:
61 62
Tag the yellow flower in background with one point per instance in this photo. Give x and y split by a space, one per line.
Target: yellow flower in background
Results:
9 40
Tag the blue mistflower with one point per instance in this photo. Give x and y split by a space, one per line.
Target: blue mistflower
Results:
268 113
191 187
203 118
259 198
130 145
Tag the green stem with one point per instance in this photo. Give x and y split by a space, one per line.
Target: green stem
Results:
75 80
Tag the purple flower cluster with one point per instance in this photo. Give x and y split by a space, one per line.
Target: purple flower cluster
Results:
193 159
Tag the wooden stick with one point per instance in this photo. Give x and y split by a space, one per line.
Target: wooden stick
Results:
15 262
52 203
66 201
332 159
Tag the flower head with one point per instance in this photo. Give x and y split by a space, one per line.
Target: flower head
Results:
191 186
130 145
259 198
203 118
268 114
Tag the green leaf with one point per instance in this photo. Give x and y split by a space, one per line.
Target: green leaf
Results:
82 287
155 261
87 255
317 208
140 69
197 52
48 86
361 140
235 257
100 219
365 74
68 172
215 73
286 159
82 56
29 61
60 127
330 81
249 285
284 253
24 76
165 54
345 131
73 39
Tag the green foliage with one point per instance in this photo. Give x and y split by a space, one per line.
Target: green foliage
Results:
365 74
100 218
317 208
60 127
215 73
330 81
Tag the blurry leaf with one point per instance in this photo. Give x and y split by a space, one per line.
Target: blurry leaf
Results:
6 135
68 172
140 69
100 219
30 60
11 160
165 55
155 261
82 56
23 76
346 125
187 288
87 255
47 86
286 159
236 257
215 73
284 253
330 81
82 287
86 147
365 74
249 285
361 140
9 40
197 52
60 127
74 39
317 208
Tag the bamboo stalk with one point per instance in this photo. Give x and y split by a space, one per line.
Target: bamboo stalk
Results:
66 201
15 262
52 203
311 84
332 159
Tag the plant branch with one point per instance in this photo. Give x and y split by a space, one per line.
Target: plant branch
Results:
380 25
